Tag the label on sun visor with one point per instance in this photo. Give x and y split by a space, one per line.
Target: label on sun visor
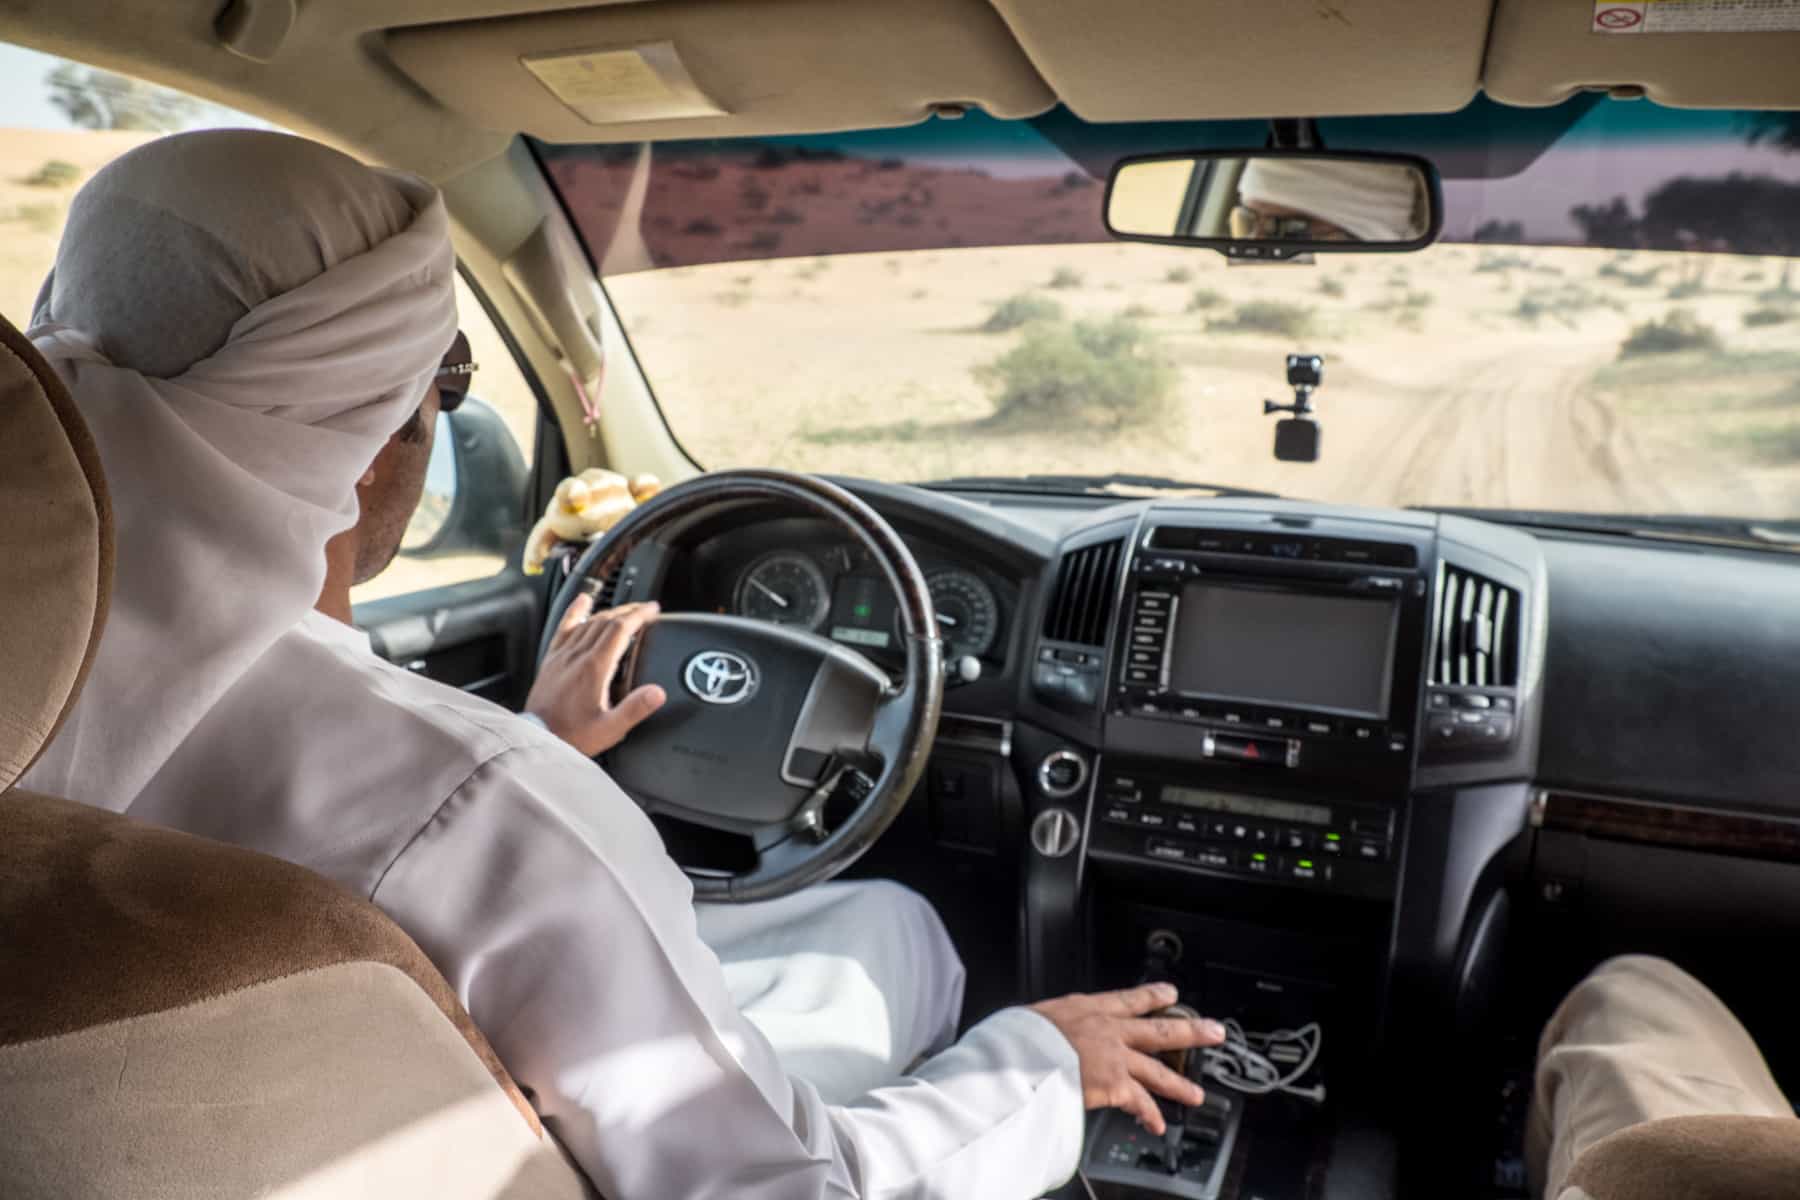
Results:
1696 16
644 83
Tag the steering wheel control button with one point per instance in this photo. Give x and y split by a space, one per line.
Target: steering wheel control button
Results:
1055 833
807 764
720 677
1062 774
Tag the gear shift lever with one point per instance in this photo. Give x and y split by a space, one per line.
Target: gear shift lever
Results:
1175 1114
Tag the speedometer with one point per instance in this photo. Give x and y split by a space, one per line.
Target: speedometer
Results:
786 588
968 615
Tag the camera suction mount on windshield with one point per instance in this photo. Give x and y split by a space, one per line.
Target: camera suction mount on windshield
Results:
1297 437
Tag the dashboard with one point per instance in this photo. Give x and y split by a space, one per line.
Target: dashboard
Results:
1330 749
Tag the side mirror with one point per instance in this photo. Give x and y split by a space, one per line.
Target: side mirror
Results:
1276 204
474 488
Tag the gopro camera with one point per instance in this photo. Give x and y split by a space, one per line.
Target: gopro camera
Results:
1305 370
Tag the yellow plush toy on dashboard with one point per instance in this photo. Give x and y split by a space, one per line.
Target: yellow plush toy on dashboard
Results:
584 507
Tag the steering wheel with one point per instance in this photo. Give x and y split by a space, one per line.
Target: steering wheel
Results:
764 723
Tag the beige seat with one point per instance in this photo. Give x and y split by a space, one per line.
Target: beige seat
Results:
180 1018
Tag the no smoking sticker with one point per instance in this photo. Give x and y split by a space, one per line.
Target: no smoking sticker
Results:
1696 16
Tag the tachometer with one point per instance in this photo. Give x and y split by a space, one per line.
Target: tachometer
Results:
968 615
786 588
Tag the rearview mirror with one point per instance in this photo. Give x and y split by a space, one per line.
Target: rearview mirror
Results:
1276 204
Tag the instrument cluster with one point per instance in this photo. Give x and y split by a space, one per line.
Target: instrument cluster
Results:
835 593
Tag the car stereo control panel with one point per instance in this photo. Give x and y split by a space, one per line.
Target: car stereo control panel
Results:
1264 688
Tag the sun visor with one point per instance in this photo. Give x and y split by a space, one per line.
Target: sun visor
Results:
1682 53
721 68
1273 58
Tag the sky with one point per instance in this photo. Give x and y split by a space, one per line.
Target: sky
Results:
23 97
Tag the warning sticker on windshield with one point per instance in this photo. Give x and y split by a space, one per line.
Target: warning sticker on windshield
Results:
1696 16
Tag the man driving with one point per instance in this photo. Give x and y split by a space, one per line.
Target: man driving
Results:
252 326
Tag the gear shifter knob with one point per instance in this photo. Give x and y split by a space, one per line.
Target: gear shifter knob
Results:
1177 1060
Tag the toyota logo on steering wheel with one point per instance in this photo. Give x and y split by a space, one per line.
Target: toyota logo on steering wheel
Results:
720 677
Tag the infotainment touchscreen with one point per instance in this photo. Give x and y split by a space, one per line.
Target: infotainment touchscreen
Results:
1330 653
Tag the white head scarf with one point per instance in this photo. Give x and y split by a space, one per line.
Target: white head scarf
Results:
243 319
1373 202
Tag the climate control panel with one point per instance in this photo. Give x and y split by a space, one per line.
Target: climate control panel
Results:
1147 815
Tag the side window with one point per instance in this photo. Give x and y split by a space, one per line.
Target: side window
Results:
471 517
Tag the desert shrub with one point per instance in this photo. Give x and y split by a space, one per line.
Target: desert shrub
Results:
1636 279
1562 303
1267 316
1205 298
1676 331
1331 287
1686 289
1770 315
54 174
1490 263
1093 373
39 218
734 299
1022 309
1065 277
1178 275
1137 312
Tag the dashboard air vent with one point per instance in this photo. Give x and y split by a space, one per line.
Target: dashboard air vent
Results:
1478 631
1081 607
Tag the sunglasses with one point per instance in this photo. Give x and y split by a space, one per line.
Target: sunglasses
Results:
455 374
1246 222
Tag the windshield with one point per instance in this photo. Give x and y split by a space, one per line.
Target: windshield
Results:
1611 324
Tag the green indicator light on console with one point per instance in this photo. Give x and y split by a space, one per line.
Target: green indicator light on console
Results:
1260 857
1334 837
862 610
1307 863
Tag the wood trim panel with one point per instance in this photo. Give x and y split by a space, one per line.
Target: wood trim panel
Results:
1745 835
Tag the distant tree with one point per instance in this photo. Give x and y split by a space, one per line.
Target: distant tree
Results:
1508 232
96 99
1744 214
1607 224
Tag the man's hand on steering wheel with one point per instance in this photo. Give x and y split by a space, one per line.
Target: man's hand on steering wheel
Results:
573 692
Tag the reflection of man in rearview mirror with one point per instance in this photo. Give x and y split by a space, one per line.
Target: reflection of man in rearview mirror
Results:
1322 200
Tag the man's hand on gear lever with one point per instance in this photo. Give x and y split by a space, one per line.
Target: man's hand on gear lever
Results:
1117 1043
573 692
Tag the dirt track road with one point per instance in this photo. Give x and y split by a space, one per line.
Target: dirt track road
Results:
1522 429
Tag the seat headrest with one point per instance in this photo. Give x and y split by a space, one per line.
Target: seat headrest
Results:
56 553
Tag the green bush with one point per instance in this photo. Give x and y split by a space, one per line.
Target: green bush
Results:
1178 275
1562 303
1087 373
39 218
1065 277
1491 263
1768 316
1267 316
1331 287
1021 309
54 174
1635 279
1204 299
1678 330
1686 289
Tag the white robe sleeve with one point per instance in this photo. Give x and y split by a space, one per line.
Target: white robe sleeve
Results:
547 900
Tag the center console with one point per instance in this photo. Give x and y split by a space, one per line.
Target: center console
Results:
1265 729
1263 697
